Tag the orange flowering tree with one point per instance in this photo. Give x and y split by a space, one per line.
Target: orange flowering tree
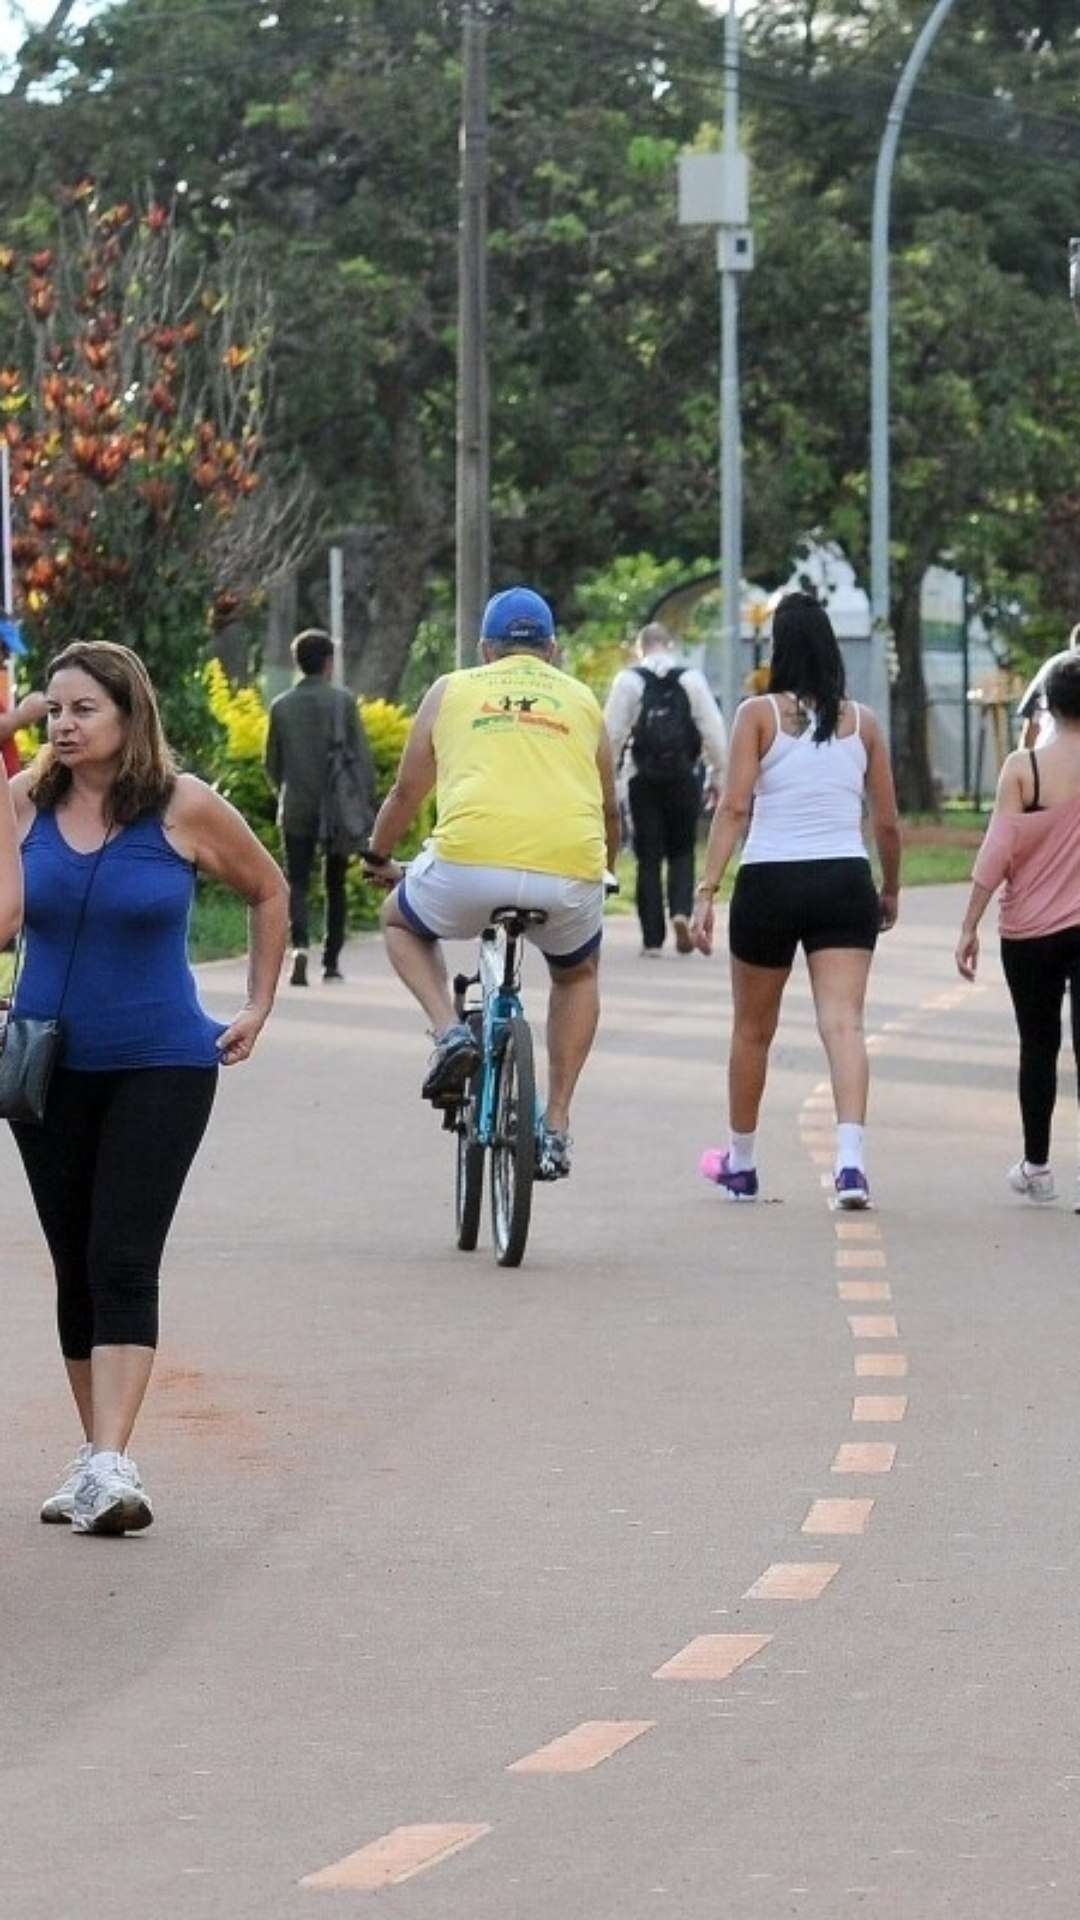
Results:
135 407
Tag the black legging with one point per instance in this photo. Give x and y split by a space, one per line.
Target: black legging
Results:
106 1171
1038 972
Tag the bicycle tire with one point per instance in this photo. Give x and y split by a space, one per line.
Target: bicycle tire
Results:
513 1150
468 1180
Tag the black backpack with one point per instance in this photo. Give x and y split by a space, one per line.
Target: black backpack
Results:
666 744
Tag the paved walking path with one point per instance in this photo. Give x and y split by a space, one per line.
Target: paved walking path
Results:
765 1517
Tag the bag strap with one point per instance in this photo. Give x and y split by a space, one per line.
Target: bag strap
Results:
337 732
20 948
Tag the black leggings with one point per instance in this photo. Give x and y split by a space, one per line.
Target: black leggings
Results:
1038 972
106 1171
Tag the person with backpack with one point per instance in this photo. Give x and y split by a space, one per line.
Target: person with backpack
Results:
664 714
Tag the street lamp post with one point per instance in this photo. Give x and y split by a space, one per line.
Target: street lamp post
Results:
714 192
880 598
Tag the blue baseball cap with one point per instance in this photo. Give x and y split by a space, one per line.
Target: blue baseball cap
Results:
520 615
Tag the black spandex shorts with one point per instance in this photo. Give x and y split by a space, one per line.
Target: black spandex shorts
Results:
821 903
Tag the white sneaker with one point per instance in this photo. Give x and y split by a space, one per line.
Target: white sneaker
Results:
61 1505
1036 1186
110 1497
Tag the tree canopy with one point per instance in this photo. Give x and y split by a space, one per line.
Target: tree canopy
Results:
326 135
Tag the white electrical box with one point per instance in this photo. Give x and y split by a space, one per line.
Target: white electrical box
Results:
714 190
735 249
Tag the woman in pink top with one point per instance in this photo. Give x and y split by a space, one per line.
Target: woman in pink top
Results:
1033 845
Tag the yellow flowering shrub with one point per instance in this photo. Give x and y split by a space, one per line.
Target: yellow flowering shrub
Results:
240 710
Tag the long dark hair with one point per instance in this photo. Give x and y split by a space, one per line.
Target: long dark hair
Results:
146 775
807 661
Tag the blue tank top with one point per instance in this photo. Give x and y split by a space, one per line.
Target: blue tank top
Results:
131 1000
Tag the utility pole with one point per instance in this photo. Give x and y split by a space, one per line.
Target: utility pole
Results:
473 537
714 191
880 595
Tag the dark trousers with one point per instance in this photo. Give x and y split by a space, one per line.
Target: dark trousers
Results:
664 815
1037 972
300 852
106 1171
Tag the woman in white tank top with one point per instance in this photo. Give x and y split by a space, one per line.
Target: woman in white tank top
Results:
805 762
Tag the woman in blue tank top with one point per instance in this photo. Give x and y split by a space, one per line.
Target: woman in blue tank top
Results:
112 838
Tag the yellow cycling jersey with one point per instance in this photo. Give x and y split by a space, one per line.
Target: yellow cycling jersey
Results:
518 786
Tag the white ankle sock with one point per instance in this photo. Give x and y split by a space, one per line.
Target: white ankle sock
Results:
741 1152
849 1146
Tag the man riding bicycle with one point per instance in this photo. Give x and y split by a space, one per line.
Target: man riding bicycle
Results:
526 817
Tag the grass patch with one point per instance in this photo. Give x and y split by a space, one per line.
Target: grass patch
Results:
920 867
219 925
936 866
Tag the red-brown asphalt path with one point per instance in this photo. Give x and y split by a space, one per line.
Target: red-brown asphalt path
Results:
418 1517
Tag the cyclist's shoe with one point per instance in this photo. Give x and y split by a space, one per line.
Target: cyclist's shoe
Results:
452 1064
713 1165
553 1153
852 1188
60 1506
1037 1185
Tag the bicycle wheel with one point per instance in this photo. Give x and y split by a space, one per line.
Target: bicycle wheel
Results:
469 1178
513 1149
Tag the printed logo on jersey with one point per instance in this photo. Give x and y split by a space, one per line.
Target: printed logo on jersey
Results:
525 710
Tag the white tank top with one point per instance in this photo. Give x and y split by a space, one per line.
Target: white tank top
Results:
808 797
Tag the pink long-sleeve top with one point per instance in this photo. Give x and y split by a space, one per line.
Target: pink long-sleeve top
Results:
1037 855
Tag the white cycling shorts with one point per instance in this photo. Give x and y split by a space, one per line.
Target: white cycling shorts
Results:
444 900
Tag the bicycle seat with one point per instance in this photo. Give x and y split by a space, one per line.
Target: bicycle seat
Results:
519 916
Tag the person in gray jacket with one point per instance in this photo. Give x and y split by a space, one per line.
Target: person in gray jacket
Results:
303 726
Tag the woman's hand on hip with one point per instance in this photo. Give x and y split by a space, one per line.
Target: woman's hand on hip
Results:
237 1042
967 954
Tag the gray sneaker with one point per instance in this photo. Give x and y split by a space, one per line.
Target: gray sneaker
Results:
452 1064
553 1153
110 1497
60 1505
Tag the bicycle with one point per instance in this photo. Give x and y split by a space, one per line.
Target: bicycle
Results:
499 1112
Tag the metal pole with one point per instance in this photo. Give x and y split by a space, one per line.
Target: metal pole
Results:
337 613
730 448
5 530
880 598
965 674
473 458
